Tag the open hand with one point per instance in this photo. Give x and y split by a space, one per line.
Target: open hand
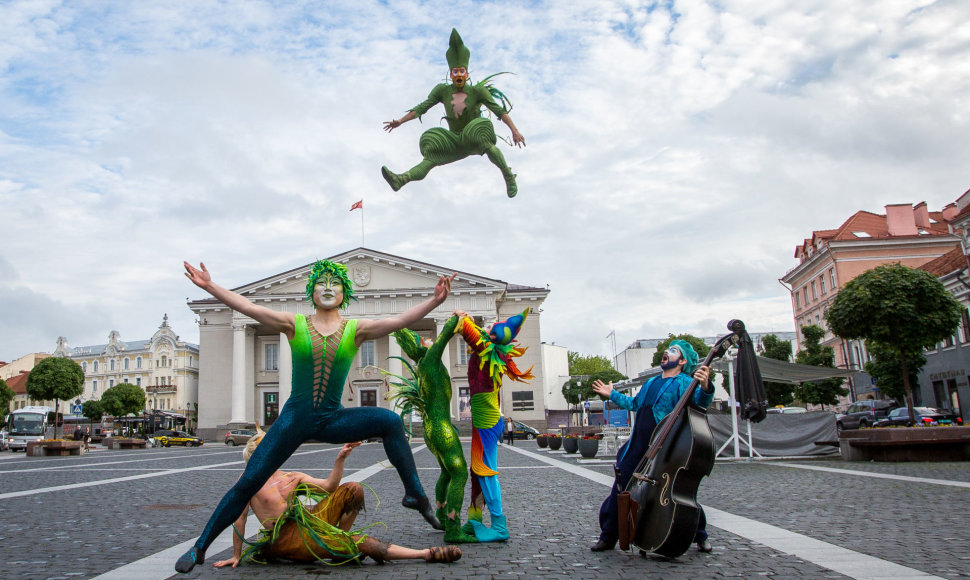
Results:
518 139
346 449
234 561
443 288
200 278
391 125
602 389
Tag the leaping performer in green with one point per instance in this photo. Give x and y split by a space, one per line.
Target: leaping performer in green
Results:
428 392
468 133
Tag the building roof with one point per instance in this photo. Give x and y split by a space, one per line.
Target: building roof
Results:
19 383
950 262
867 225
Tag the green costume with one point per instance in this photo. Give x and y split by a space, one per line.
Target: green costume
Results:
431 397
468 133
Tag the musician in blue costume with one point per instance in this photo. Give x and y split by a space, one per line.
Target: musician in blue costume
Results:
656 399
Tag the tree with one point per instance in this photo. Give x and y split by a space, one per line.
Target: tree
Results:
6 395
587 364
887 371
901 308
122 399
778 349
698 344
826 391
92 410
55 379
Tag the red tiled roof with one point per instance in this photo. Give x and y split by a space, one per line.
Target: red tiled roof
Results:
19 383
951 261
876 225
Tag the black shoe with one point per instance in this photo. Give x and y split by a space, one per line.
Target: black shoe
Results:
189 560
704 546
423 506
603 546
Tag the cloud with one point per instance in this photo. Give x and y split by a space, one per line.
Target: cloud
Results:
676 152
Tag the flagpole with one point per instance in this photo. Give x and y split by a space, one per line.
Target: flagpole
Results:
362 225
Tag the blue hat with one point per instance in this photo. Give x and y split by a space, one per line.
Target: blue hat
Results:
689 354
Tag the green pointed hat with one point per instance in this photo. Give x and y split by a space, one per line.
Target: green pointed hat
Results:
457 53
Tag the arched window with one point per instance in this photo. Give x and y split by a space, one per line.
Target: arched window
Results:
127 363
111 365
138 363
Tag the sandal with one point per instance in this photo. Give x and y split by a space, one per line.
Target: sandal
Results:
444 554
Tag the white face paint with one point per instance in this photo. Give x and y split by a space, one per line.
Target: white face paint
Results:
328 293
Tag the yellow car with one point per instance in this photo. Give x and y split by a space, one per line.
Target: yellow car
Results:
169 438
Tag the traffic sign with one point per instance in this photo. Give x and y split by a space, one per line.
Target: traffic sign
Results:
76 409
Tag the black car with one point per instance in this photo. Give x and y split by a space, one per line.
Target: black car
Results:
523 431
924 416
862 414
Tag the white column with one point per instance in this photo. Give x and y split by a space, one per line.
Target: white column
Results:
238 408
394 365
439 324
285 365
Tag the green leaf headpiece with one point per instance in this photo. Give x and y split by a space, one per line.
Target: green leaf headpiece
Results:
327 268
457 54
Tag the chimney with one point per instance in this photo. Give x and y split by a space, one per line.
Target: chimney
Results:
950 211
922 215
900 220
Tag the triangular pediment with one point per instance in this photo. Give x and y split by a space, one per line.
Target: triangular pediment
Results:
373 271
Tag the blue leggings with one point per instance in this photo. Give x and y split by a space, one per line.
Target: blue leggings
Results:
299 423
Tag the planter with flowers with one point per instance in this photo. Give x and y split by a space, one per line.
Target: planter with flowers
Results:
570 444
589 445
555 442
542 441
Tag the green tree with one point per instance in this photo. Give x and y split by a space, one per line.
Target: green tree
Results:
698 344
92 410
778 349
6 395
826 391
901 308
587 364
887 371
55 379
122 399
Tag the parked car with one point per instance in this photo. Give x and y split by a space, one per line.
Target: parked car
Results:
523 431
787 410
167 438
239 436
862 414
924 416
4 440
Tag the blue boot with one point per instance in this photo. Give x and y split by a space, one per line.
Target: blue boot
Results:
497 533
189 560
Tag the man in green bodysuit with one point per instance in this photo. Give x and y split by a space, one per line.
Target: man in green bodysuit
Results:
467 134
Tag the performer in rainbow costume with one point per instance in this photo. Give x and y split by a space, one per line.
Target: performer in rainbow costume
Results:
491 357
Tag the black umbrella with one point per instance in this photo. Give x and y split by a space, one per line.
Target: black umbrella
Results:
749 389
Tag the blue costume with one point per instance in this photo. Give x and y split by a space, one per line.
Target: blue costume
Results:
656 399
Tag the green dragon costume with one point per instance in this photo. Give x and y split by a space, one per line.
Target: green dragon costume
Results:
429 393
468 133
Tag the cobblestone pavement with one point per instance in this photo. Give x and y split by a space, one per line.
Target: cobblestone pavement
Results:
119 507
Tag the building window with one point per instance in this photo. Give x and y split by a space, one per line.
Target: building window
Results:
84 365
111 383
463 354
191 360
821 281
111 365
965 322
805 295
94 386
832 278
368 353
368 397
522 401
814 291
138 363
95 366
127 364
798 300
138 382
165 361
271 355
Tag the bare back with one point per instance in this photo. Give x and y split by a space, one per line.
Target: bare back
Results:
270 501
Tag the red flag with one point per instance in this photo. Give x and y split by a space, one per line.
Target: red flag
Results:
358 205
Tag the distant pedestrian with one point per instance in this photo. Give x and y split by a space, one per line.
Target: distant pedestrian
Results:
510 430
78 434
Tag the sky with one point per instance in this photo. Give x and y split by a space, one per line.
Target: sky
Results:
676 152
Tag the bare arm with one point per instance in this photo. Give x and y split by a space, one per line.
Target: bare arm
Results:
239 532
283 322
517 137
330 484
371 329
391 125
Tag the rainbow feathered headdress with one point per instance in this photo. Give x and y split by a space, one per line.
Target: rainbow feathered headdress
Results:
497 348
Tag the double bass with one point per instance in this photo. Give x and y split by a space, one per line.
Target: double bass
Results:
658 509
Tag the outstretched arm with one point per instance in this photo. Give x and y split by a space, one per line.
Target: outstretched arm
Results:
279 321
238 533
330 484
371 329
391 125
517 137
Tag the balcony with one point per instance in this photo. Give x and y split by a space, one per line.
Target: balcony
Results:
161 389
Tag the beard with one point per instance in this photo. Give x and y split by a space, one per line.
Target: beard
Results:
668 364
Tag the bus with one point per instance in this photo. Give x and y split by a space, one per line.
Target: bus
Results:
28 424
